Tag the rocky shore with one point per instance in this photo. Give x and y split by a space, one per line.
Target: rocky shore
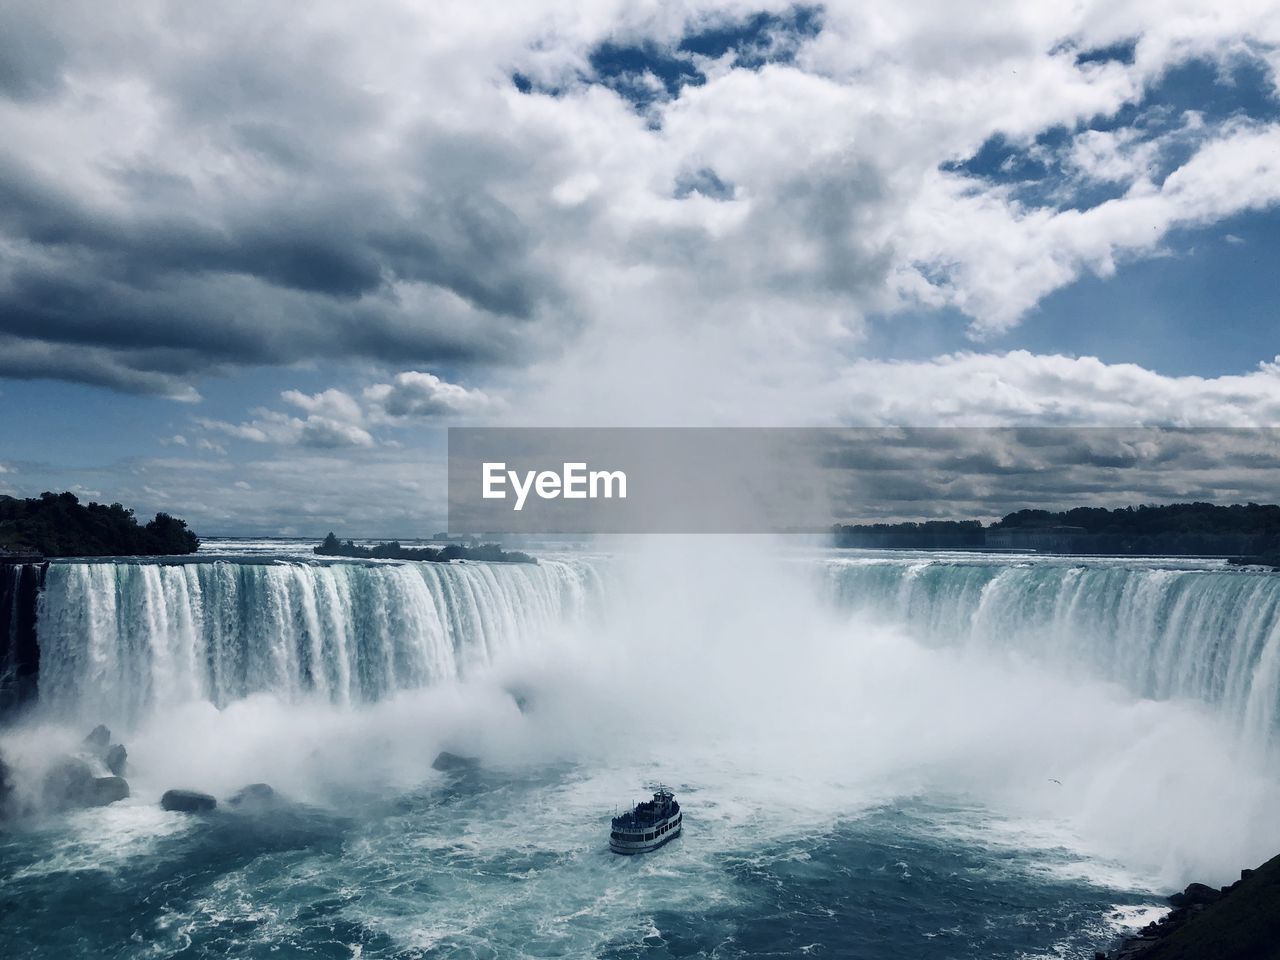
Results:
1236 922
94 776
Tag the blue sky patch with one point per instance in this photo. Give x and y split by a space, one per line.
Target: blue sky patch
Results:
1041 176
1122 52
645 71
1208 308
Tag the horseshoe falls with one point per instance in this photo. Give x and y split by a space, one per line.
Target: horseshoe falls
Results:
878 755
120 638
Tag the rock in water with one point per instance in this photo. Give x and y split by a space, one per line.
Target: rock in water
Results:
68 784
447 762
187 801
98 740
108 790
522 697
253 795
116 758
6 788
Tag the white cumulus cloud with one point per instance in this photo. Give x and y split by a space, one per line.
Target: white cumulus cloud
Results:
1022 388
416 394
334 418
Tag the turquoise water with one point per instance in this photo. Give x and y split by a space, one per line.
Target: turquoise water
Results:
446 872
878 755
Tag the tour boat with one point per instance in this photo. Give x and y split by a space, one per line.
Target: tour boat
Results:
647 827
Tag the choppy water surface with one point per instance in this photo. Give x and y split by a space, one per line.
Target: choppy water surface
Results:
516 866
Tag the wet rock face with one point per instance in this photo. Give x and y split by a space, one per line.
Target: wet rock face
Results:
1196 893
98 744
1240 921
255 794
70 784
98 740
6 789
116 759
187 801
447 762
109 790
66 783
20 585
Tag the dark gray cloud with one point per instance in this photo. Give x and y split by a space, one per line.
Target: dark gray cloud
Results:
960 473
251 220
31 54
181 276
343 243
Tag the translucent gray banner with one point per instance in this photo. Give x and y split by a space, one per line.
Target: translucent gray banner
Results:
783 480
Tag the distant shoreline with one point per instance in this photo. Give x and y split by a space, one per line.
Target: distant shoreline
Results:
392 550
1245 534
1231 558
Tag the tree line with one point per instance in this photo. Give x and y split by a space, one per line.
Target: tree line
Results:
392 550
59 525
1176 529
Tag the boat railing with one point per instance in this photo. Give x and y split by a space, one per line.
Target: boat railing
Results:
633 825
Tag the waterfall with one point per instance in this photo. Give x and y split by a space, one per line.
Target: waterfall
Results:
118 639
1203 631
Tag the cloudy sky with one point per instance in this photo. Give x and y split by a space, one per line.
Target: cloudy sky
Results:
252 261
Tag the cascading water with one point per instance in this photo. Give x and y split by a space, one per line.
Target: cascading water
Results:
117 639
120 639
1163 629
